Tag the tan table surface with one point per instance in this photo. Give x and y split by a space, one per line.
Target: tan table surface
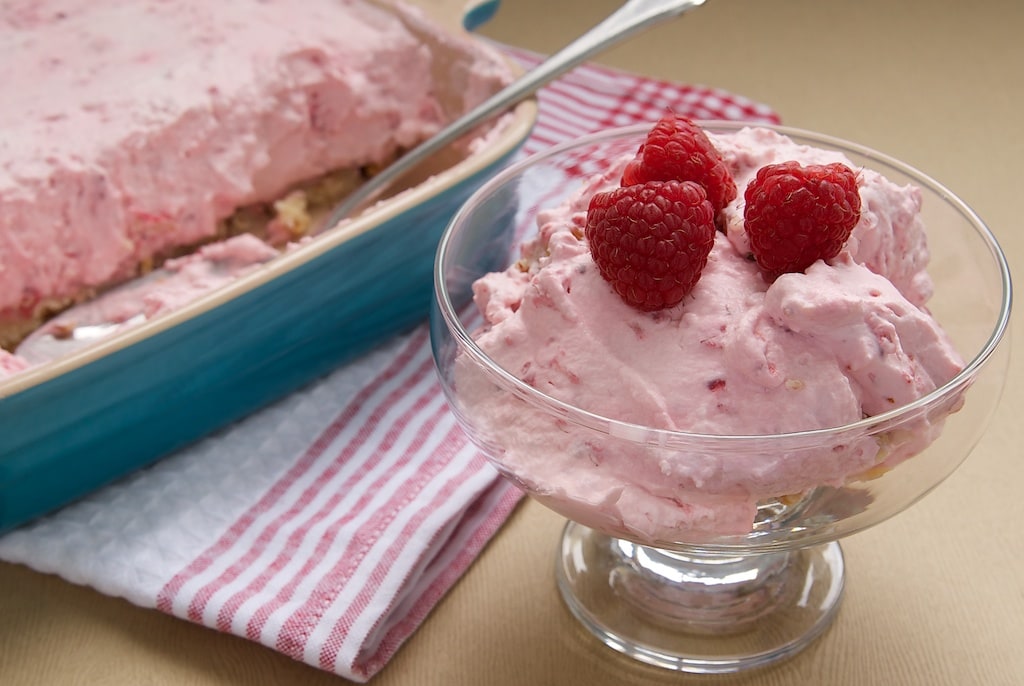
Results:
934 596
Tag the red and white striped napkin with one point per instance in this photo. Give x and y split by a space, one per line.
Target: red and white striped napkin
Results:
328 525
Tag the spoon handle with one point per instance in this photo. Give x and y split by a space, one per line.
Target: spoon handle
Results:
633 17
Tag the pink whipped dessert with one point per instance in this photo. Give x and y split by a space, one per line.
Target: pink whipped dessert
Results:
133 130
846 338
177 283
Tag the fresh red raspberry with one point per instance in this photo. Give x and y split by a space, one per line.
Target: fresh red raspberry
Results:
651 241
795 215
677 149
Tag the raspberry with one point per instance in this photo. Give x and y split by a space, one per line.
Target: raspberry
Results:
677 149
650 241
795 215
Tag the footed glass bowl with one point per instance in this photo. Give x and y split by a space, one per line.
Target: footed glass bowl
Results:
683 598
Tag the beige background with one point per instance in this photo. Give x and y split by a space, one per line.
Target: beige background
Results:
935 596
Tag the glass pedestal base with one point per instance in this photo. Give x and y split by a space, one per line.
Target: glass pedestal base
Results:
695 613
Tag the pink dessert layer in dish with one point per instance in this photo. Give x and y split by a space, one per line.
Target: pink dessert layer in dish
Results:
131 129
178 282
848 339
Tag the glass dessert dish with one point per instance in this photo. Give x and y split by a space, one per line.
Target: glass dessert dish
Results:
701 600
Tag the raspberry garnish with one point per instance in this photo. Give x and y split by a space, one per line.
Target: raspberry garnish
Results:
677 149
795 215
650 241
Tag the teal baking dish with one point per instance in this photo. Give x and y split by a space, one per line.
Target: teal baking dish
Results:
81 421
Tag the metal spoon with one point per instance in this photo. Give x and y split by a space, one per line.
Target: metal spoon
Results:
633 17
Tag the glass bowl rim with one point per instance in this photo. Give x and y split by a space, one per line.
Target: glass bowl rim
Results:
664 437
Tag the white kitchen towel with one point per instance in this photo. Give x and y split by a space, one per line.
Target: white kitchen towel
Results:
327 526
